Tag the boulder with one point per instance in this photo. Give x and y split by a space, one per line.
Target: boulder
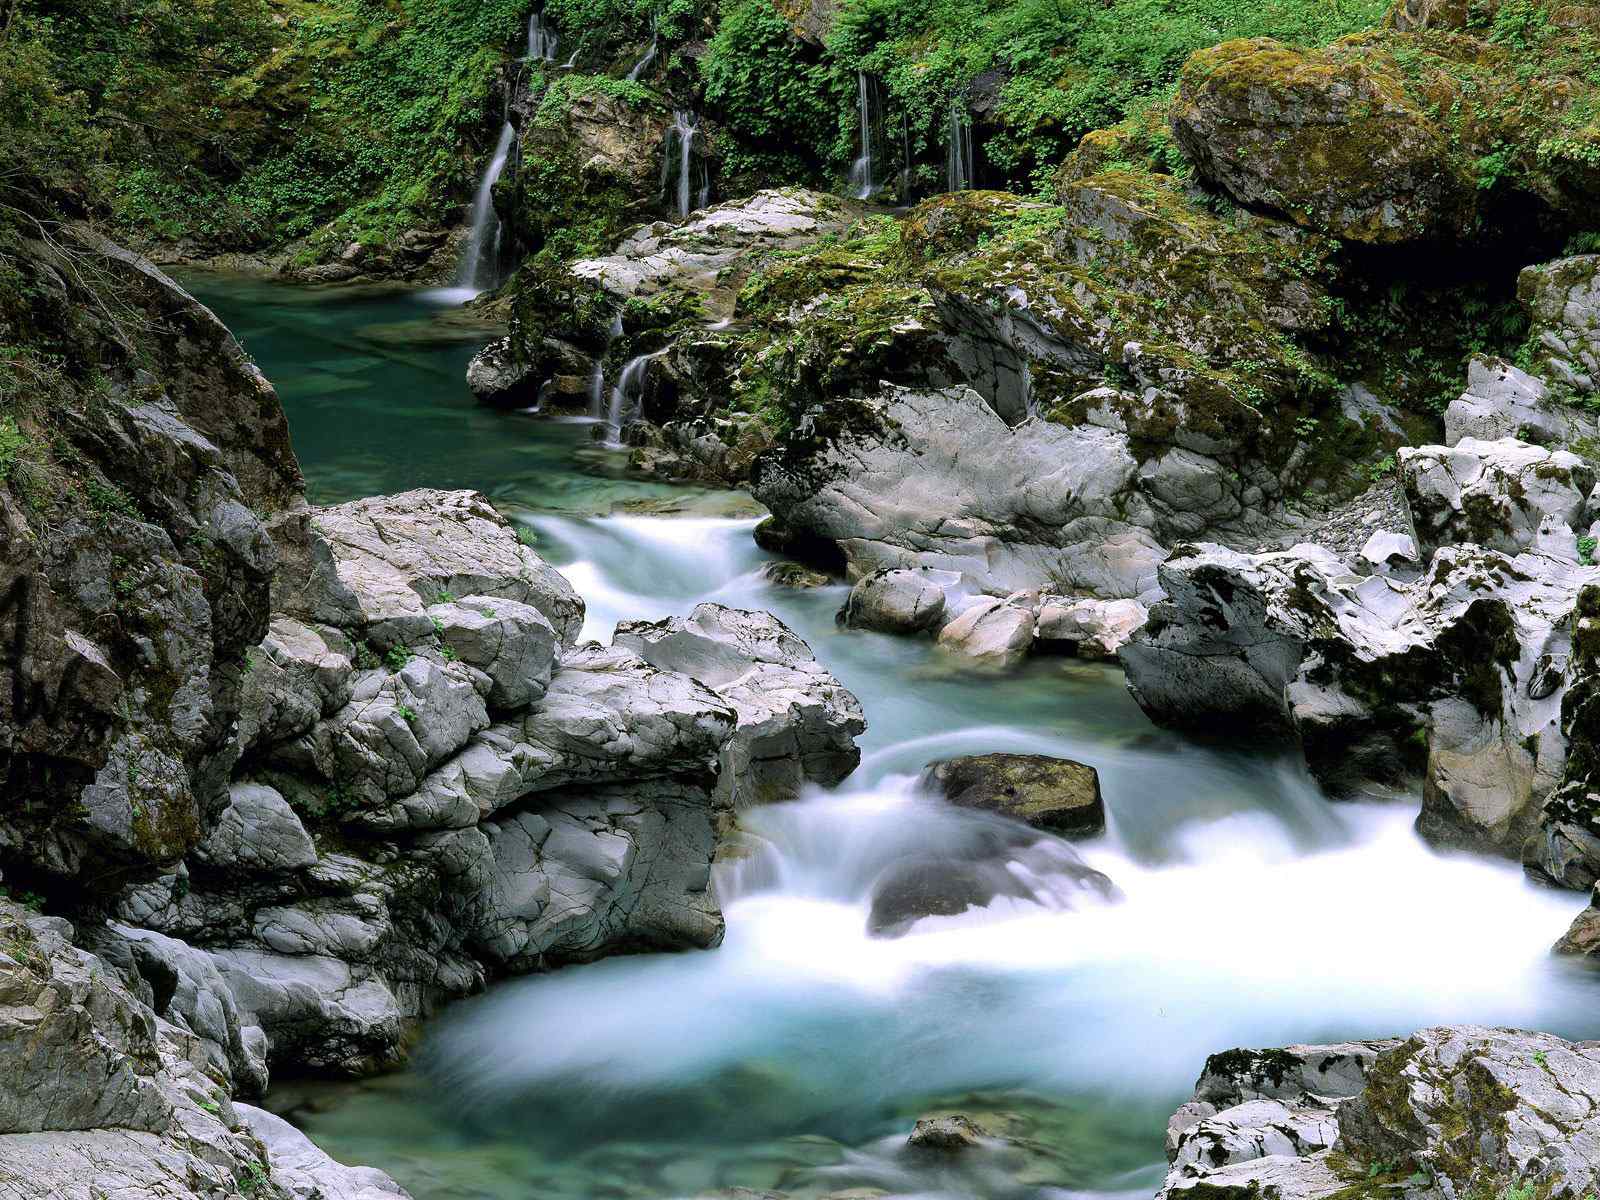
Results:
796 723
1470 1110
1056 795
899 600
396 555
257 833
1469 661
1567 850
945 1135
1506 495
1562 299
496 377
305 1172
97 1092
512 643
990 631
794 575
1086 627
988 864
298 675
1502 401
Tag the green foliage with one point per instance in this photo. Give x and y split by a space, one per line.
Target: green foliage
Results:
1586 548
1070 66
12 443
775 94
396 657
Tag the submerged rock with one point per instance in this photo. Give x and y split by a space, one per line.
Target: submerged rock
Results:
1461 1110
945 1135
1056 795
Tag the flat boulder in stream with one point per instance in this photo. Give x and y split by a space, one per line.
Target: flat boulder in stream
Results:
1056 795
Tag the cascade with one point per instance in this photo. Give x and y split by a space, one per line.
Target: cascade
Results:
958 151
862 181
649 55
685 129
597 378
625 396
480 259
905 157
542 39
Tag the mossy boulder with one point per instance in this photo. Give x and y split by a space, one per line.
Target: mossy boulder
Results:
1056 795
1562 299
1390 136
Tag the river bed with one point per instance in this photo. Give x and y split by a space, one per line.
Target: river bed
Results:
797 1055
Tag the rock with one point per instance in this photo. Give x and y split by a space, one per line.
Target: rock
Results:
1473 1109
257 832
510 642
305 1172
396 555
794 575
991 632
991 864
945 1135
1502 401
1053 794
1347 140
298 675
495 377
936 479
1563 303
1390 553
98 1092
1353 666
796 723
1086 627
899 600
1505 495
713 251
1567 850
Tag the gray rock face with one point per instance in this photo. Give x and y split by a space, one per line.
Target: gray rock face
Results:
98 1093
495 376
481 798
945 1135
796 723
1086 627
1502 401
990 632
305 1172
1471 1109
1474 655
899 600
1506 495
1563 303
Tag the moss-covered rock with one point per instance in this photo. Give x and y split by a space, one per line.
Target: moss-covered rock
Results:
1394 136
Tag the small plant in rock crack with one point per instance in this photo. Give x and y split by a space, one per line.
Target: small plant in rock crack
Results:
448 654
444 596
405 713
1586 549
1384 466
396 657
487 611
438 625
1539 1058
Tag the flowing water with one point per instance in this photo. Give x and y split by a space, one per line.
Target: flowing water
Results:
863 172
958 150
796 1056
684 178
480 258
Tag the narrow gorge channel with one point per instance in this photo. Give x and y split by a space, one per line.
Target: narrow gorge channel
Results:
1251 911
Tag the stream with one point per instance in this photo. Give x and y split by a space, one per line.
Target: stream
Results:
798 1054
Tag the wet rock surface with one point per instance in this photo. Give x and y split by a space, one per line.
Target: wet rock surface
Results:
1461 1110
1053 794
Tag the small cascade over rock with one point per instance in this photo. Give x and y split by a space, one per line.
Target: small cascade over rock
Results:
625 396
597 379
685 179
958 151
542 38
863 172
480 258
640 67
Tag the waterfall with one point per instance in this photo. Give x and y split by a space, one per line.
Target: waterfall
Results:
958 151
685 129
905 157
480 260
649 56
862 182
625 396
542 39
597 378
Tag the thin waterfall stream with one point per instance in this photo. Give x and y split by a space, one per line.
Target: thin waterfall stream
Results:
1249 910
480 256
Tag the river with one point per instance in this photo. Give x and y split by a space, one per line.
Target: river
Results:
1251 911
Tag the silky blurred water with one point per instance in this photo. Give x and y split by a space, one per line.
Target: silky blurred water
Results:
796 1056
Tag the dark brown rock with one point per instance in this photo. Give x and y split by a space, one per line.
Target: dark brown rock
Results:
1053 794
